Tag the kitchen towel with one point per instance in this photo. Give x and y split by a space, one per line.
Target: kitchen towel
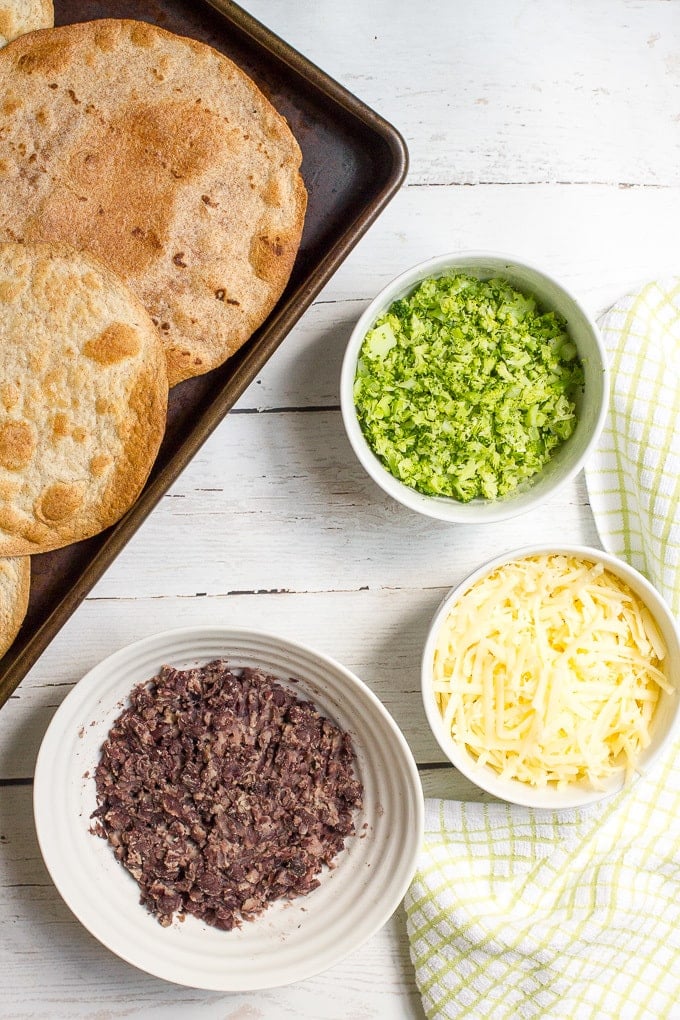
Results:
633 477
515 913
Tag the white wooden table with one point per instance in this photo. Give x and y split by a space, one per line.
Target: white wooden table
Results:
548 129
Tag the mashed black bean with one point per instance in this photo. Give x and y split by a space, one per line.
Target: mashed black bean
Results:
221 791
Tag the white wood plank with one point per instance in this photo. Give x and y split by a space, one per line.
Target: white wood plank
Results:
53 967
445 781
598 241
279 501
549 90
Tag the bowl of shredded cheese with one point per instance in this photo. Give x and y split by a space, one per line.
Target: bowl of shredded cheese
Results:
551 676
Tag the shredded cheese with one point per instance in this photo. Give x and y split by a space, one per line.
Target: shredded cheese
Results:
549 670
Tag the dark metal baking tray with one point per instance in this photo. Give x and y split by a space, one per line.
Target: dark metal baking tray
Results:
353 163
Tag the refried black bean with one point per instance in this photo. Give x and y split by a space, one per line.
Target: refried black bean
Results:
221 791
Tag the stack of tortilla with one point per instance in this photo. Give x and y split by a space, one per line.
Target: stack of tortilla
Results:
151 208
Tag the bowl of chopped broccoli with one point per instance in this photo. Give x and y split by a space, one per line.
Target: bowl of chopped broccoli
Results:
473 386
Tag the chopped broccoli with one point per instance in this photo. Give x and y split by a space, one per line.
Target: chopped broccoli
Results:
465 388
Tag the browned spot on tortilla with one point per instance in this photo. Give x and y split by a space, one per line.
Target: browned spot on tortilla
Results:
142 36
117 342
17 444
264 252
105 37
54 384
273 194
91 281
9 489
60 425
57 502
139 161
11 104
179 362
8 520
9 393
15 523
11 289
99 464
46 55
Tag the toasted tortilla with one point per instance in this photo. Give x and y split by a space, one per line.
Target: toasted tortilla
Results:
15 582
83 397
20 16
162 158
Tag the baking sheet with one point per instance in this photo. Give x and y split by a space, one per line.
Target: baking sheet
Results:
353 163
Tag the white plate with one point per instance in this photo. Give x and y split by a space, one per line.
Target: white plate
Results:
291 940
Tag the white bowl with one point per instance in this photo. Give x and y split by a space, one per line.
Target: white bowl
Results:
292 940
591 404
664 720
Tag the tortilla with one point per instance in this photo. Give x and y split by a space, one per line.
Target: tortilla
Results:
161 157
83 397
15 582
20 16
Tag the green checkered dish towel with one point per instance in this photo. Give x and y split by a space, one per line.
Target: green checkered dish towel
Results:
517 913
